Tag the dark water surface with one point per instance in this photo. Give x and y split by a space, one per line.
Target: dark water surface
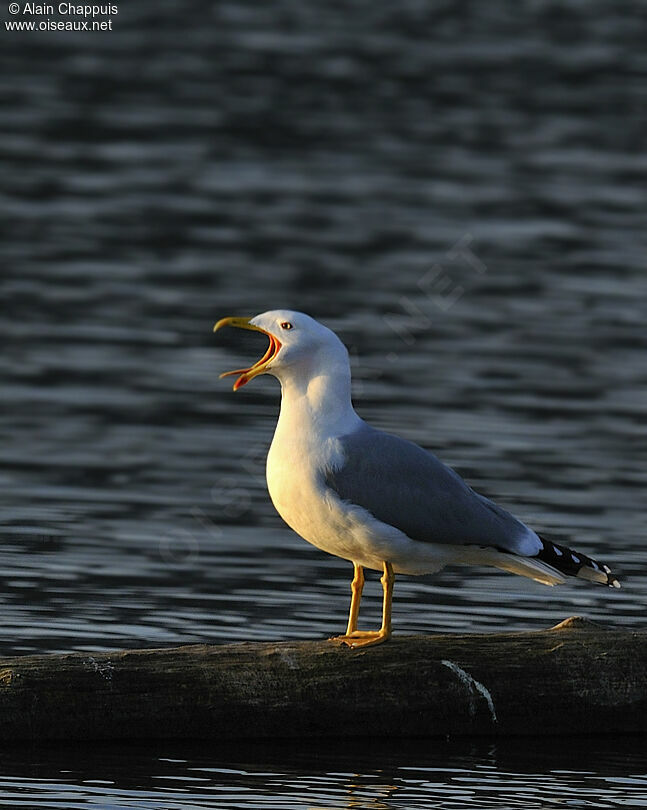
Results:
601 773
460 191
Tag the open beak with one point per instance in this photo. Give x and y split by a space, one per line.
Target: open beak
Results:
247 374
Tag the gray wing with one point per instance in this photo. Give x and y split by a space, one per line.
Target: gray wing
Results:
409 488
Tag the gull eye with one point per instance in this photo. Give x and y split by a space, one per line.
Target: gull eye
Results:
286 325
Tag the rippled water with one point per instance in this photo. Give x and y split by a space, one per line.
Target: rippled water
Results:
459 191
604 773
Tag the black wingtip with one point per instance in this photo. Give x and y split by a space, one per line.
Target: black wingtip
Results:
575 564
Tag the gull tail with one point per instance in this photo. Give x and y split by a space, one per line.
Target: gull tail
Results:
574 564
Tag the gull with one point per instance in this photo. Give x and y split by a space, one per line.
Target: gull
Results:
372 498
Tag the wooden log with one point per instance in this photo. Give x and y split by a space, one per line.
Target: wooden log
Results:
574 678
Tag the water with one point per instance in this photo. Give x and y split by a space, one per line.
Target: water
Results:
603 773
459 191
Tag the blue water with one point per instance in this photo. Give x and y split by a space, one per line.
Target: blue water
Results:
459 191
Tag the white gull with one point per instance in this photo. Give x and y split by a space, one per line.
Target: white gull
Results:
372 498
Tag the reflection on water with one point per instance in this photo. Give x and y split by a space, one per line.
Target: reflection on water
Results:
370 775
459 191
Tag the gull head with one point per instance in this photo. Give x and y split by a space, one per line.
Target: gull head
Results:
299 348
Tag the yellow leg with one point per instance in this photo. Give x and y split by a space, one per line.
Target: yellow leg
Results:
388 581
366 638
356 588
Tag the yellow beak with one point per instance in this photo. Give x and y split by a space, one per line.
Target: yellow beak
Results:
247 374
